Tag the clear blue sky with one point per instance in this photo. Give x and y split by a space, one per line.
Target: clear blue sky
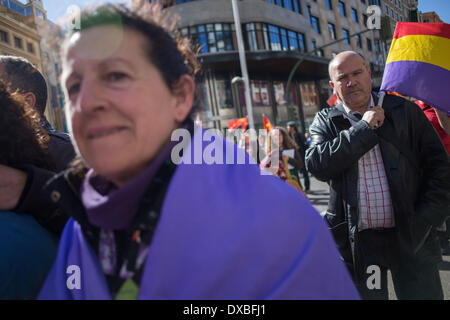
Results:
57 8
441 7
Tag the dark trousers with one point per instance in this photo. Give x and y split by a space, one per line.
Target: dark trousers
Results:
305 177
411 279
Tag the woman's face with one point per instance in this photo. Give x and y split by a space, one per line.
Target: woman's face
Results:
119 109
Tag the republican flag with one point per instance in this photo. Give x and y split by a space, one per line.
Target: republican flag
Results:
266 123
235 123
418 64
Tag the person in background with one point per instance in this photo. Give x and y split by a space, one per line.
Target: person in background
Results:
278 144
441 123
299 138
27 250
21 187
389 183
147 223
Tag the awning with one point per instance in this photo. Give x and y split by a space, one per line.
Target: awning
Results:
274 62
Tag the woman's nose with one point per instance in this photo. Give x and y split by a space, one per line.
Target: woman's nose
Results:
91 96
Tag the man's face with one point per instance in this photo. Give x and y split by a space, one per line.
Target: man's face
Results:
291 130
351 81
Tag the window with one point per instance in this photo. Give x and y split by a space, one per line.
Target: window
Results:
274 36
392 14
39 14
387 11
358 40
293 41
18 43
377 45
369 44
329 4
355 15
316 24
215 37
332 31
259 92
288 5
346 34
301 42
297 6
342 9
396 16
261 36
314 45
292 5
223 93
252 42
284 40
30 47
4 36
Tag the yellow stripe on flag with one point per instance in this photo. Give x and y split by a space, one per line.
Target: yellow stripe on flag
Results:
429 49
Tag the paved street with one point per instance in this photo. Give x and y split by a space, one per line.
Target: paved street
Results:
319 198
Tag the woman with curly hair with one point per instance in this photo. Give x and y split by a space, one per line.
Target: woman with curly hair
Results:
26 249
22 138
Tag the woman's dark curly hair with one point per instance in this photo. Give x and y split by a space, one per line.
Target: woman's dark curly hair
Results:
22 138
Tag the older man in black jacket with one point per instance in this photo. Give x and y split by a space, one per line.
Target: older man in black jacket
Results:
389 184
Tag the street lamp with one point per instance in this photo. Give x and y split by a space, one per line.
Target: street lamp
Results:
248 101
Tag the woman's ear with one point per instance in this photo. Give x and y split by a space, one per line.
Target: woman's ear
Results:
184 94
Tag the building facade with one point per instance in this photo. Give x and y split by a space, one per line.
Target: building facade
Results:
276 34
431 17
400 11
24 32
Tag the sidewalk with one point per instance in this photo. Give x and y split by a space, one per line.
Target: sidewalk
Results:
318 194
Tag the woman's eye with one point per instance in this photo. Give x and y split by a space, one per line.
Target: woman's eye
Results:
73 89
116 76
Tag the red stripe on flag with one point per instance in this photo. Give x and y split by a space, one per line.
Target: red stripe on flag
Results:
417 28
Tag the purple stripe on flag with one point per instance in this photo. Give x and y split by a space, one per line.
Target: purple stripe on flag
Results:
431 86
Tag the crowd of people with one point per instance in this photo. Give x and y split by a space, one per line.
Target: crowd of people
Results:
104 212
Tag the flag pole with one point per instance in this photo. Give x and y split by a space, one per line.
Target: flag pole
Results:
241 49
381 98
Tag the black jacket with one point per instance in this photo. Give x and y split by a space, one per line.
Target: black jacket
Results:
34 199
417 169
